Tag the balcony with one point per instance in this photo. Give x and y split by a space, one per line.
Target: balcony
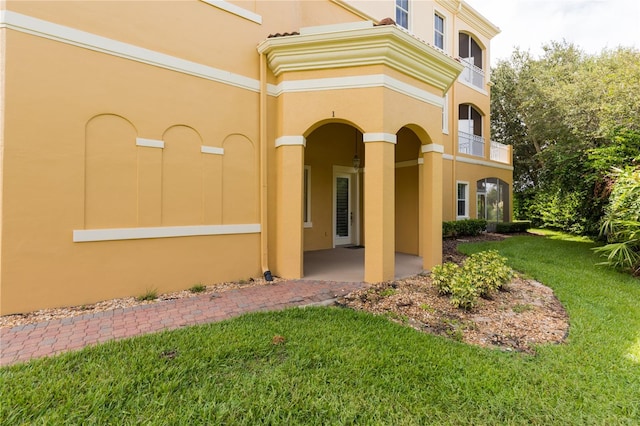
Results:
470 144
471 74
500 152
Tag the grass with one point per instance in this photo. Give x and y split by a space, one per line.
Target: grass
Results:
336 366
520 308
198 288
150 294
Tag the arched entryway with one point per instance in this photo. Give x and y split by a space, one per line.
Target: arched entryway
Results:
333 203
407 190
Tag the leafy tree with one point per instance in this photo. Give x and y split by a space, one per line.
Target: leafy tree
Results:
570 117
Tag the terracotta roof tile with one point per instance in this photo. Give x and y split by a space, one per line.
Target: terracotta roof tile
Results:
385 21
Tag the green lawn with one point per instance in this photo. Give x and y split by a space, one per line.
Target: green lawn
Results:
344 367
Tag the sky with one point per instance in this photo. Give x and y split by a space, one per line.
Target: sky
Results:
592 25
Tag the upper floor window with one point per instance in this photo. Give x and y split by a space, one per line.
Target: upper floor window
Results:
438 31
402 13
470 140
470 53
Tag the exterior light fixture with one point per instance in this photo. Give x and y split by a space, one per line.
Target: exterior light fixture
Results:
356 159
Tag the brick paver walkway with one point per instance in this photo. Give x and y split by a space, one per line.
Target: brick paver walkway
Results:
25 342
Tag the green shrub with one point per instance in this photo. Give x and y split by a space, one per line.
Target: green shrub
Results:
481 274
463 228
513 227
489 271
464 293
442 276
448 229
621 223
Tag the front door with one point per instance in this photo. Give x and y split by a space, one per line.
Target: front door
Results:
343 211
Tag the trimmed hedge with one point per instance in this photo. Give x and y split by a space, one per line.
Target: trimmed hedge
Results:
513 227
463 228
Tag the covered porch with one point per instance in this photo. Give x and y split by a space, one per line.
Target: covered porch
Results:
346 263
357 154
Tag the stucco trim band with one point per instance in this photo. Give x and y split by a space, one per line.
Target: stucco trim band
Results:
149 143
211 150
484 163
379 137
63 34
291 140
357 82
88 235
432 147
477 162
236 10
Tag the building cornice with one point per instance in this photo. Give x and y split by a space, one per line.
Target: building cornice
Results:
379 45
471 16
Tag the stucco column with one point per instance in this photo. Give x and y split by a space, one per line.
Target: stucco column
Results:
432 210
379 206
289 226
421 206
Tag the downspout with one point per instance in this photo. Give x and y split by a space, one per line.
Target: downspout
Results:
455 111
264 241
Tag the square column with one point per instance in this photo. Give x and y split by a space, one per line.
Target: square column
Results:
289 196
379 207
432 207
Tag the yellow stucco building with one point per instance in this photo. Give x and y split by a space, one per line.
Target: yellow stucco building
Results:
159 144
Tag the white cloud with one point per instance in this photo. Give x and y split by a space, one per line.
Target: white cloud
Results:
592 25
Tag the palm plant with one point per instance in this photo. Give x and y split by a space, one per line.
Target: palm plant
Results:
621 222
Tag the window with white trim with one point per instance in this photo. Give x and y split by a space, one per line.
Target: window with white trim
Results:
471 55
438 31
402 13
462 209
306 207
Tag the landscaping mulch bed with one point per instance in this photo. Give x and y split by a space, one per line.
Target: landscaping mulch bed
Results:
525 315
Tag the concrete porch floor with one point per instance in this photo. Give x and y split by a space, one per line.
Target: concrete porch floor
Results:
347 264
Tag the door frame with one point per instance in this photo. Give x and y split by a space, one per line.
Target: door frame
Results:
354 201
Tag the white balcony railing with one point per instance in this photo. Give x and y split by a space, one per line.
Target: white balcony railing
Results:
472 74
499 152
470 144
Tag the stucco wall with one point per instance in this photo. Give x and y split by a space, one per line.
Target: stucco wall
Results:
72 163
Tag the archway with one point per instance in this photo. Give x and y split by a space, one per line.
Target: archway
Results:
407 190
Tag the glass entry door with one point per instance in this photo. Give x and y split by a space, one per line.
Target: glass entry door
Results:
343 210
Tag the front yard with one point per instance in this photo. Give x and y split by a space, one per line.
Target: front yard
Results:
338 366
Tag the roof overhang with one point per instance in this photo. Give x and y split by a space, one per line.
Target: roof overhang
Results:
358 45
471 16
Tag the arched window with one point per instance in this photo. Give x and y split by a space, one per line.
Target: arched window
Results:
471 55
492 200
470 140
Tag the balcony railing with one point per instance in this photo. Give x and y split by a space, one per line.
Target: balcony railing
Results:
500 152
472 74
470 144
